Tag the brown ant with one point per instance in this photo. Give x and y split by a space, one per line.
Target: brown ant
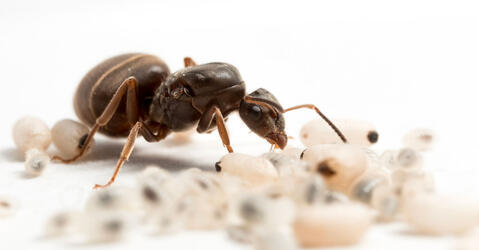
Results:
133 94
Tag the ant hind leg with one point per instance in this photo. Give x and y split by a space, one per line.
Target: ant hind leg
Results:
127 86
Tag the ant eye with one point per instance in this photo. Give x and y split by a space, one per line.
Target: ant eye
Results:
188 91
255 112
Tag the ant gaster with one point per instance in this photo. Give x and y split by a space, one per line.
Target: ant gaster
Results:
135 94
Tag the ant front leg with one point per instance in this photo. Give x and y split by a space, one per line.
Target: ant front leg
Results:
205 122
129 87
331 124
189 62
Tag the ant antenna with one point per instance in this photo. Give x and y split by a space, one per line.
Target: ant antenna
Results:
311 106
262 102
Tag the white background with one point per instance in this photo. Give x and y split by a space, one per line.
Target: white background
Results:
400 65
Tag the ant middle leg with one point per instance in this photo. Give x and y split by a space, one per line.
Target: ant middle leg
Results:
205 122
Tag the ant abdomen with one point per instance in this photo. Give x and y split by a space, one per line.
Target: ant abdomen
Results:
99 85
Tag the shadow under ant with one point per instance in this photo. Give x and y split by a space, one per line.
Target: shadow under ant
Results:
109 150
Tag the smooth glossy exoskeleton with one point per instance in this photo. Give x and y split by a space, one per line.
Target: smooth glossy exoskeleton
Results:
135 94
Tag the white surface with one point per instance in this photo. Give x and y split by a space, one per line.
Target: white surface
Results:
399 65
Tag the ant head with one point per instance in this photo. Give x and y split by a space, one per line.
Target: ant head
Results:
263 114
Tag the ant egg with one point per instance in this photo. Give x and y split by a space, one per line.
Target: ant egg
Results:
105 226
262 211
306 190
200 182
32 137
153 195
31 133
386 202
8 206
62 224
402 177
335 197
274 240
388 159
285 164
155 174
166 221
403 158
356 132
36 162
240 234
372 157
409 158
204 213
468 242
331 225
293 152
255 170
364 186
339 165
69 136
112 198
441 214
312 191
420 139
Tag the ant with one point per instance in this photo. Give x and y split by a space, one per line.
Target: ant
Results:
135 94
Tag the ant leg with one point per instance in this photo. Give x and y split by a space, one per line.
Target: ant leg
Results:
311 106
125 154
130 85
189 62
220 124
205 123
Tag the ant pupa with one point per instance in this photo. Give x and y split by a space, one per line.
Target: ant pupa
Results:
334 224
357 132
69 137
420 139
32 137
8 206
441 214
105 226
116 198
62 223
255 170
339 165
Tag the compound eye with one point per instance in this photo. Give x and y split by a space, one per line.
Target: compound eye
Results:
255 113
